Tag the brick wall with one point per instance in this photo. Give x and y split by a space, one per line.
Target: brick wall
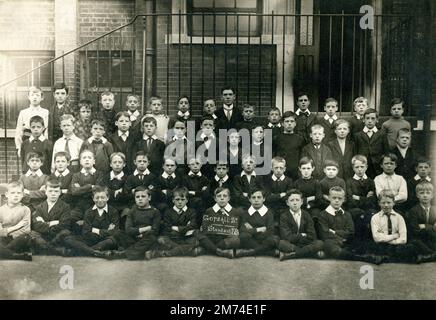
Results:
9 160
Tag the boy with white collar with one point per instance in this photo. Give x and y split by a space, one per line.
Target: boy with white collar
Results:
221 178
183 113
132 105
229 115
63 174
166 182
423 171
115 181
22 131
99 145
124 139
219 231
206 145
336 229
297 231
274 121
257 228
328 121
356 121
33 181
304 118
60 107
100 228
246 182
406 155
37 142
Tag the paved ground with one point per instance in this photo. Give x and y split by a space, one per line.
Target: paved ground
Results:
212 278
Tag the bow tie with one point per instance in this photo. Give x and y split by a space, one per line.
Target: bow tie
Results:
205 139
340 211
95 141
306 113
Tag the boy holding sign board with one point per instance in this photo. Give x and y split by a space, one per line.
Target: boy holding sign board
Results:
219 232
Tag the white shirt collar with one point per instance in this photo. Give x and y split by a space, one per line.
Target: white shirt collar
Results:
100 211
183 114
38 173
224 179
145 173
134 113
295 213
175 138
63 174
262 211
145 137
72 137
332 211
177 209
278 125
326 117
228 108
166 175
417 178
40 138
120 133
299 111
393 213
274 178
356 177
217 208
257 143
243 173
202 136
103 139
116 176
190 173
365 129
358 116
92 171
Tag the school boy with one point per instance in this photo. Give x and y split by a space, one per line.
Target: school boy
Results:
297 232
33 180
406 156
62 174
274 121
60 107
207 146
15 220
423 171
221 178
305 119
248 121
360 104
37 142
342 148
331 179
124 139
115 181
107 112
246 182
229 115
396 122
329 119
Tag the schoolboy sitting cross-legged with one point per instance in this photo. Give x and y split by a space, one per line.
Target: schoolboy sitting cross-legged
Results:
219 231
297 231
179 236
51 221
257 228
100 228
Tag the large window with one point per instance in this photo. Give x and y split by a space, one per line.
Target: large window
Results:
214 21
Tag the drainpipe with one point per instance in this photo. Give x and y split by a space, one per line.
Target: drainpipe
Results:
149 51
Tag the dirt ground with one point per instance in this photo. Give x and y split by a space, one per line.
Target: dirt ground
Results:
209 277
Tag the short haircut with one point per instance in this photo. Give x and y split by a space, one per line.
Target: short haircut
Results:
207 99
195 159
289 114
395 101
227 87
294 191
36 89
122 114
134 96
60 86
142 188
107 93
316 127
302 93
246 106
221 164
169 159
423 160
62 154
118 154
331 100
369 111
34 155
221 189
248 157
337 189
147 119
306 160
181 192
52 182
36 119
424 186
15 184
360 100
404 131
338 122
386 193
84 103
274 109
154 98
389 155
86 151
184 97
359 157
99 122
141 153
66 117
278 159
98 189
331 163
254 190
207 117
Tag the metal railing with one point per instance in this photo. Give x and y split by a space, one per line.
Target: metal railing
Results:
264 56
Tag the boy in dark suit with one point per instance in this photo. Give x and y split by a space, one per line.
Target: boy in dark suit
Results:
221 178
178 147
329 119
124 139
274 121
246 182
100 228
356 121
229 115
257 228
331 179
107 112
151 145
297 232
305 119
371 142
342 148
60 107
423 170
317 150
406 162
288 144
63 174
166 182
206 146
51 222
183 114
133 103
115 181
248 121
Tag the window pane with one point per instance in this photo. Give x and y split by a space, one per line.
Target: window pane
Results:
246 3
243 25
202 3
224 3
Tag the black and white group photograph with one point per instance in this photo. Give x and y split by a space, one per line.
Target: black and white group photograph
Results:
217 150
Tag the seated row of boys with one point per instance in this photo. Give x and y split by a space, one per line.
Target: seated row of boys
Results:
94 227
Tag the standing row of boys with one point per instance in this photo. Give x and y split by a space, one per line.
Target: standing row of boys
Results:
118 186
